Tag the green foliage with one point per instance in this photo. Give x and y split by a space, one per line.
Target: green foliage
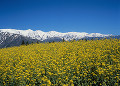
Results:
63 40
37 42
27 43
23 43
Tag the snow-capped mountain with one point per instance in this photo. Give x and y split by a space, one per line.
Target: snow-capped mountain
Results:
10 39
40 35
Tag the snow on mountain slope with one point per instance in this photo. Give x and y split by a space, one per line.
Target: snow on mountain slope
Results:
40 35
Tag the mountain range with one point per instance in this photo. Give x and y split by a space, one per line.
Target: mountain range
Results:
13 37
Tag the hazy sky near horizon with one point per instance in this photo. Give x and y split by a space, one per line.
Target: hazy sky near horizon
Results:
91 16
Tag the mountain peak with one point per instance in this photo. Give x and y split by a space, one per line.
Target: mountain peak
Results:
40 35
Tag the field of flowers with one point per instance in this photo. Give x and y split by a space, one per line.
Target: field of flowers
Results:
76 63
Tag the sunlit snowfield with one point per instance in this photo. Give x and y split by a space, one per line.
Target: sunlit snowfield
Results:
94 62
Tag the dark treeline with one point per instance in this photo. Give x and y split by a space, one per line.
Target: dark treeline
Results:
27 43
63 40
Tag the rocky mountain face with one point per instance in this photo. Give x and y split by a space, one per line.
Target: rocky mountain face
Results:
40 35
13 37
8 39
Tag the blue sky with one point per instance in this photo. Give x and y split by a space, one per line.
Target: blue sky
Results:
91 16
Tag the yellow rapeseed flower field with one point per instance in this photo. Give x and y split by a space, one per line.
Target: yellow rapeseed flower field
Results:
81 63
